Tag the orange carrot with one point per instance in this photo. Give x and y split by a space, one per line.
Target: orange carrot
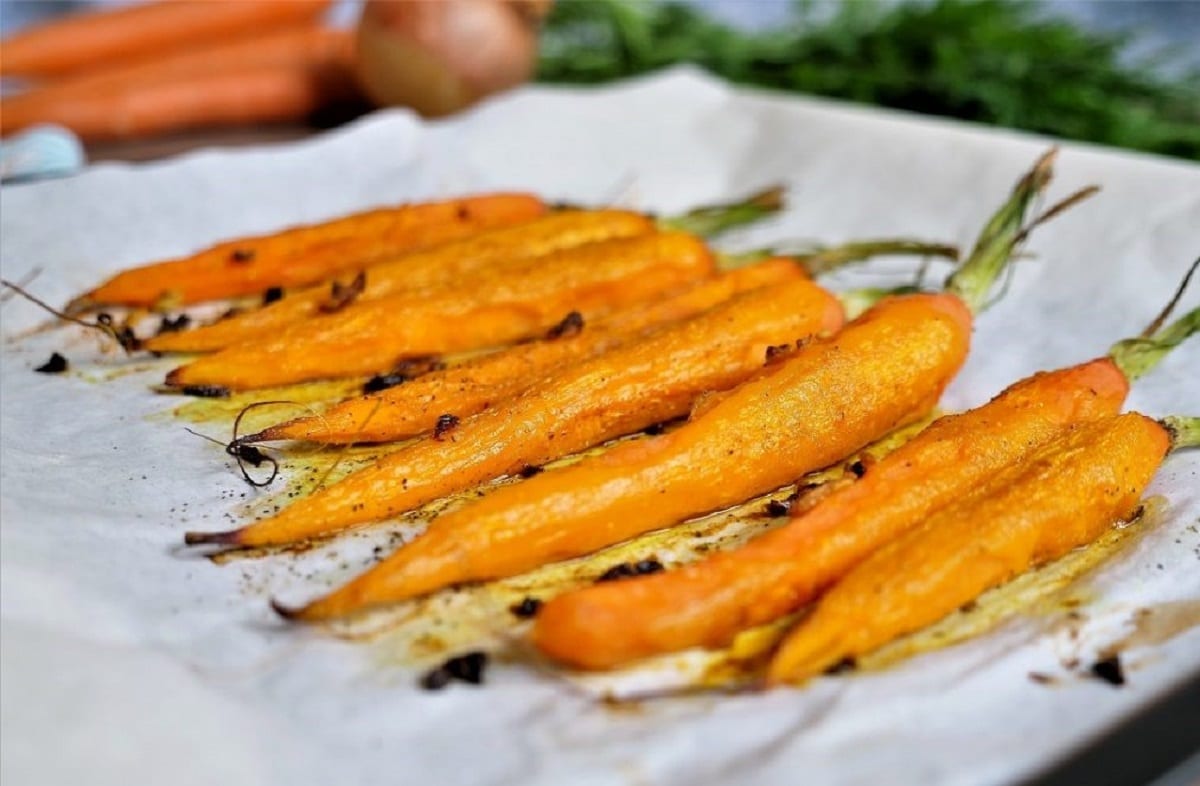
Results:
373 337
102 38
827 400
254 95
74 101
1062 498
444 267
415 406
621 391
310 253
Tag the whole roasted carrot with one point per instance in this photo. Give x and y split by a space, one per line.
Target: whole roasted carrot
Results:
826 400
415 406
1063 497
450 264
500 308
707 603
108 101
619 392
445 266
100 38
307 254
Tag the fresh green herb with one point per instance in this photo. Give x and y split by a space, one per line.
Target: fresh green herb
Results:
1002 62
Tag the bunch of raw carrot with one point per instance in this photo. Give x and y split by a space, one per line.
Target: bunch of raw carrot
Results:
603 323
174 65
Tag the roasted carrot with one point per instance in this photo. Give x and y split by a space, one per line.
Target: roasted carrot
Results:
415 406
452 263
806 413
310 253
445 266
102 38
1063 497
500 308
619 392
707 603
826 400
81 102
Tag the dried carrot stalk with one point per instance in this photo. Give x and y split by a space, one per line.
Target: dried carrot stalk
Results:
310 253
828 399
619 392
415 406
1062 498
81 41
373 337
444 266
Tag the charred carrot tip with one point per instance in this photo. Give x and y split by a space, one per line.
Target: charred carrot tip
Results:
231 537
289 613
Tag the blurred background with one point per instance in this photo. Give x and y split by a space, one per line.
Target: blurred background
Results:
1124 73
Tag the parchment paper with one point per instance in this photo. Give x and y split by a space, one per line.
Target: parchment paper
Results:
127 661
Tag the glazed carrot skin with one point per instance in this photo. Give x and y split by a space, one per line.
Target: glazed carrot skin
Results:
81 41
306 254
619 392
501 308
1065 497
109 103
444 266
707 603
827 400
415 406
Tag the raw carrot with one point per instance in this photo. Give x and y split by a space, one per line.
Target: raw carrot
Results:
828 399
79 102
373 337
415 406
86 40
445 267
254 95
619 392
1062 498
707 603
310 253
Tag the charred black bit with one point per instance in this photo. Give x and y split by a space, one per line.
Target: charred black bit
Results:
249 454
205 391
435 679
627 570
777 508
445 424
242 255
230 313
123 334
654 429
527 608
571 325
57 364
271 295
383 382
529 470
173 324
342 295
858 468
467 668
843 666
1109 669
777 351
968 607
415 367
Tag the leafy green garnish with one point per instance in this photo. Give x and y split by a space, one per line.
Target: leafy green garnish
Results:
1001 62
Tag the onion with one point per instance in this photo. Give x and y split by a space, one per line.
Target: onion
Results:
438 56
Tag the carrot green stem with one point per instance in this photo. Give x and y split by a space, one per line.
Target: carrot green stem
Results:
715 219
818 260
1184 431
856 301
1137 356
993 250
